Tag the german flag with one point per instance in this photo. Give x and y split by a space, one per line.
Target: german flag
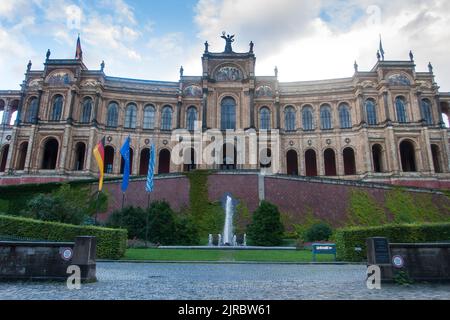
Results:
99 154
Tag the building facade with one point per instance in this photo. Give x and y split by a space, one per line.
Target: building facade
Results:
379 125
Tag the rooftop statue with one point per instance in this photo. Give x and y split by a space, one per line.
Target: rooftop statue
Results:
229 40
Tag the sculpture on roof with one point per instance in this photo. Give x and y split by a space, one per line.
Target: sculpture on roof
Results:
229 41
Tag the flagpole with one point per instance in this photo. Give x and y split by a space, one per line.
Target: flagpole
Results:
96 207
123 200
146 220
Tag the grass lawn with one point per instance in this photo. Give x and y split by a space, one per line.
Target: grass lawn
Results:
223 255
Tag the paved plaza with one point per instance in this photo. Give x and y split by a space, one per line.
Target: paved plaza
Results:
224 282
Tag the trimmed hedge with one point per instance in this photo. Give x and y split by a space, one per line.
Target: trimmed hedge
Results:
348 239
111 243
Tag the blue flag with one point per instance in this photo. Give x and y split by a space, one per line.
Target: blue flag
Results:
125 152
151 170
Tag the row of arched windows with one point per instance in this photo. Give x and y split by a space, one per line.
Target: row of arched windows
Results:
228 114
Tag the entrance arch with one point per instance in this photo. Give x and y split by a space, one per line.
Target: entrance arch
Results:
311 163
349 162
50 156
377 156
229 157
109 159
408 156
330 163
122 163
189 160
436 158
292 163
80 153
164 162
23 149
144 162
4 158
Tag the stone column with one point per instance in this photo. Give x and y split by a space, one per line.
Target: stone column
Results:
65 150
96 106
4 120
90 147
72 103
362 109
205 110
252 108
392 152
38 111
439 108
28 158
386 108
179 105
20 108
278 111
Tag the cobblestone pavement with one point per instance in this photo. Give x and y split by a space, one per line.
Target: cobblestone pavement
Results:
223 282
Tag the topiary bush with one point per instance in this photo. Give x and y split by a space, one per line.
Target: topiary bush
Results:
266 228
319 232
111 243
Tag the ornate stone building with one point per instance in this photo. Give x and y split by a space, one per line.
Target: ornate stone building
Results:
385 124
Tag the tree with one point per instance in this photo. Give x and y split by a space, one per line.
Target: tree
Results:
162 227
130 218
266 228
319 232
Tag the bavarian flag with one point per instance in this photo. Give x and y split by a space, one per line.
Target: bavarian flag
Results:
99 154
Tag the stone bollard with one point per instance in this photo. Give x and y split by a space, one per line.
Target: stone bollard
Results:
84 256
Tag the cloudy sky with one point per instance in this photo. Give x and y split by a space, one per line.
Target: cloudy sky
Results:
150 39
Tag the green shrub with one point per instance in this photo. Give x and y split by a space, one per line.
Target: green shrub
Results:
308 221
266 228
187 232
111 243
319 232
132 219
162 227
364 210
348 239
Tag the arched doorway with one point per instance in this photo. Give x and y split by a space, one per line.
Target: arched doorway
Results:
122 163
229 157
408 156
50 156
164 162
80 154
109 160
189 160
436 158
292 163
265 158
377 156
23 149
144 162
311 163
349 162
4 158
330 163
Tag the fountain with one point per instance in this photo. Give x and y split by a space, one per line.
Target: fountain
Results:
210 240
228 228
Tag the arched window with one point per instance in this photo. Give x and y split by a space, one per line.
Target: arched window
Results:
23 150
228 114
426 112
311 163
80 153
264 118
408 156
113 115
4 157
191 118
400 107
349 162
164 162
130 116
50 155
31 115
166 123
149 117
109 160
11 116
86 111
371 112
292 163
377 155
307 118
436 158
345 117
289 119
57 108
330 163
325 117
